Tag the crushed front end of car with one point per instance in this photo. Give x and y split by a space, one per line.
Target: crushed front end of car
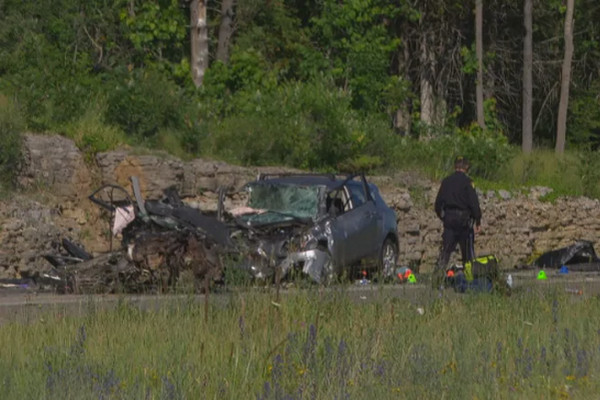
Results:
283 229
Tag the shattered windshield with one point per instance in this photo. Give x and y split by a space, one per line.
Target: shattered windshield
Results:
276 201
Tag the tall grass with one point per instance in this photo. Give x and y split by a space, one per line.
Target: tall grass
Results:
317 345
91 133
11 127
575 173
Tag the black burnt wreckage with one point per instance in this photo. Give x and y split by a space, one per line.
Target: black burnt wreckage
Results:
321 226
160 239
579 256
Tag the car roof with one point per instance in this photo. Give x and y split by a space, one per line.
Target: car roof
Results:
330 181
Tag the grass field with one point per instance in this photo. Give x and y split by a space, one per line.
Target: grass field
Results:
310 345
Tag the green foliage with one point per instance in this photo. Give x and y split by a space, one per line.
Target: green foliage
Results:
358 46
588 172
11 126
308 84
56 63
145 101
361 163
55 93
488 149
574 173
396 94
248 72
584 117
308 126
469 57
92 134
272 30
156 30
185 143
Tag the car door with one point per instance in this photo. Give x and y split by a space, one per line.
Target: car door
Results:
357 227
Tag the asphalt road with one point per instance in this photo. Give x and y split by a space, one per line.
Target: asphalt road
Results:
19 304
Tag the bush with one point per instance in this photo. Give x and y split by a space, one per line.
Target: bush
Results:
575 173
305 125
588 169
184 143
11 126
143 102
488 154
487 149
584 116
92 134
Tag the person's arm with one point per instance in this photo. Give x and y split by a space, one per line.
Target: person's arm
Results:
474 206
439 205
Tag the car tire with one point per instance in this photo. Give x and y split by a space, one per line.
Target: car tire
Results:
328 275
388 258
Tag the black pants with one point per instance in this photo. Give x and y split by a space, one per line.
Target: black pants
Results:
464 237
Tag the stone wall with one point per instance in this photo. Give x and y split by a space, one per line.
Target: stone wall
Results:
515 228
515 225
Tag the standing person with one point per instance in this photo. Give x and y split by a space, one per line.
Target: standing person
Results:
457 206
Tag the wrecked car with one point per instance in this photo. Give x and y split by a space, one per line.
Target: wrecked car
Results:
160 239
320 224
579 256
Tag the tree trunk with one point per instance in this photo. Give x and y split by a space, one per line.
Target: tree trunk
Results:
561 125
225 30
402 118
426 87
199 40
527 133
479 52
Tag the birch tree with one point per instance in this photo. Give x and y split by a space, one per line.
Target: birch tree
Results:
479 52
565 82
199 40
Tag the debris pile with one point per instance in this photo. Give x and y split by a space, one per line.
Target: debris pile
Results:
159 240
580 256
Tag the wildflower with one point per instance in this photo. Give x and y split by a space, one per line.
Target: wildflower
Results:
450 367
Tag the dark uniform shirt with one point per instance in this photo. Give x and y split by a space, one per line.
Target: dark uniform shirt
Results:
457 193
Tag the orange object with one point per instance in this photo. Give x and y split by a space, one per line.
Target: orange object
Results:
404 274
450 274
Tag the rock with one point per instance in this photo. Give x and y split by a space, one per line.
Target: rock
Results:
504 194
155 172
62 170
536 192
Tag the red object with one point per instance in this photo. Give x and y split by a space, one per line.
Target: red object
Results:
405 275
450 273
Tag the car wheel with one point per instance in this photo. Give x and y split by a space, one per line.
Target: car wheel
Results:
328 275
388 258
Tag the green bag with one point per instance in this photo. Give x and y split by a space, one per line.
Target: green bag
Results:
482 267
